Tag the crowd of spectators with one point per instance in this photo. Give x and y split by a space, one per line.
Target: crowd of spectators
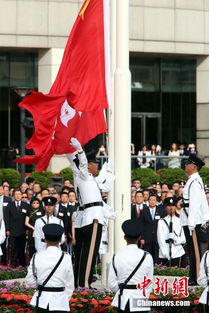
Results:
29 198
146 156
21 207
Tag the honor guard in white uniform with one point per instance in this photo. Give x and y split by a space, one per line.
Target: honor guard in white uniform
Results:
170 236
2 234
203 280
194 213
128 270
49 207
92 218
51 273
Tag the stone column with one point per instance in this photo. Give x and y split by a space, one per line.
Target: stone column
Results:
203 107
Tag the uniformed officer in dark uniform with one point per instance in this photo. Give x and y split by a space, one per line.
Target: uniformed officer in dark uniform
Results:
64 213
36 211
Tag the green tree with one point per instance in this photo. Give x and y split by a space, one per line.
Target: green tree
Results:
10 175
42 178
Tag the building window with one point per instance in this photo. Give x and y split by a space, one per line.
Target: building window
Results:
167 87
17 69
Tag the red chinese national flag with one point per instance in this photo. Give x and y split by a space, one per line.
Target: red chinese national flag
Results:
75 104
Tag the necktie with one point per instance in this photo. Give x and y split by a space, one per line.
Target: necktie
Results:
153 214
138 210
18 206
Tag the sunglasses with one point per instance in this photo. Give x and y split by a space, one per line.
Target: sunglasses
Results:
24 197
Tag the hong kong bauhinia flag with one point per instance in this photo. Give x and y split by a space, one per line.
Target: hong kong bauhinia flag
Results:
75 105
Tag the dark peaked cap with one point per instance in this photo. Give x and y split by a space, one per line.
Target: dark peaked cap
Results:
53 232
49 200
91 156
193 159
131 228
170 201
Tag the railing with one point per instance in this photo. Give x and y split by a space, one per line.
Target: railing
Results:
156 161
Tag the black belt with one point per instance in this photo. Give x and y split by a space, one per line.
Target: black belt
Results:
89 205
51 289
169 241
127 286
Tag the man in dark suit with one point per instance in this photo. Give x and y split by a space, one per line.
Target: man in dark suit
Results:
15 227
4 200
138 206
148 222
72 201
65 214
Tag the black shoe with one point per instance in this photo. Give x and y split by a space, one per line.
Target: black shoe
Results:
94 279
192 282
92 288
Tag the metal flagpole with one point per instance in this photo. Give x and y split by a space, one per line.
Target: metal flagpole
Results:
122 122
110 142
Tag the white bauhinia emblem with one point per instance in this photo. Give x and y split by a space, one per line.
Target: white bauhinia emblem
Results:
67 113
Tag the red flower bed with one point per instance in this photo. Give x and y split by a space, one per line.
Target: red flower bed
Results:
16 300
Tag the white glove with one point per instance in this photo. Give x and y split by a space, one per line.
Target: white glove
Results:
109 166
76 144
171 236
165 253
191 228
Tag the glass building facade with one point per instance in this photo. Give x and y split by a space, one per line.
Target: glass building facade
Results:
17 69
163 100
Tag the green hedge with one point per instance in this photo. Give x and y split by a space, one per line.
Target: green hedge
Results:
7 274
204 173
67 173
160 270
167 175
42 178
170 175
146 175
10 175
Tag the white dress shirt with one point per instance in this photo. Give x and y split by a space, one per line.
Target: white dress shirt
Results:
177 249
125 262
105 179
203 279
38 232
45 261
88 191
194 195
2 234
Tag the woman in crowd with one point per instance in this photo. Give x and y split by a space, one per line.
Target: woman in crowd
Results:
159 161
153 153
25 197
32 215
142 159
174 152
